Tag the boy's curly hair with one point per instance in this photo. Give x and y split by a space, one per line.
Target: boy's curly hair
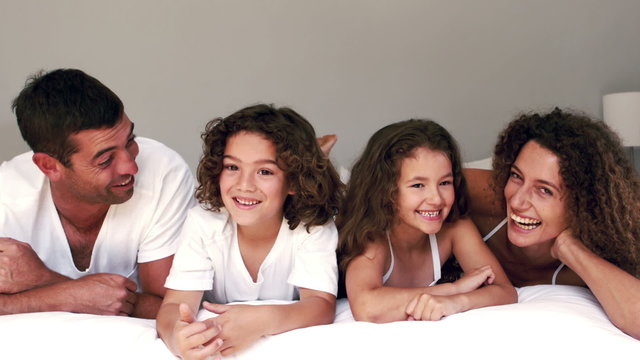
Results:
369 207
310 174
602 190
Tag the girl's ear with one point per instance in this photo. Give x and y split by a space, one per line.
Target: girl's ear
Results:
50 166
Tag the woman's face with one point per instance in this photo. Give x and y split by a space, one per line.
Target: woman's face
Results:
535 197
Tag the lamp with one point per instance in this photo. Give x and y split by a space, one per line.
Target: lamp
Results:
621 111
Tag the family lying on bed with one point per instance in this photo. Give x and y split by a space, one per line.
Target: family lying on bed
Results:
562 205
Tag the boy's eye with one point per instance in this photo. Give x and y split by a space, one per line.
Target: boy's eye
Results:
265 172
230 167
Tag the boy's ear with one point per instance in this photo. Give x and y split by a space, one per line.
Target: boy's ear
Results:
50 166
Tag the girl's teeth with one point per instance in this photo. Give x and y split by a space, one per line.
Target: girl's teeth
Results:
429 213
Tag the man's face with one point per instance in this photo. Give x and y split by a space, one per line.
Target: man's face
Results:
102 170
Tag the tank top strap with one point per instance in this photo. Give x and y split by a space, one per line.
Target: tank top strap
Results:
435 256
555 274
390 270
495 230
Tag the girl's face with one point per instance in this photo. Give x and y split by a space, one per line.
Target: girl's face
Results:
252 186
425 190
535 197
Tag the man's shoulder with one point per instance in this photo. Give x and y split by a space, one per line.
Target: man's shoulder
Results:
20 176
157 161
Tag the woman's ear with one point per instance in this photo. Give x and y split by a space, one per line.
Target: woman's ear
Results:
50 166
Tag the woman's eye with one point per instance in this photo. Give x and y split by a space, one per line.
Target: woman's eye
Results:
515 175
546 191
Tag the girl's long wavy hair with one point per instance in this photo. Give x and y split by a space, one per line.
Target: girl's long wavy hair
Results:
369 208
308 172
602 190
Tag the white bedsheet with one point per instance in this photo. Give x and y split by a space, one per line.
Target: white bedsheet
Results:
550 322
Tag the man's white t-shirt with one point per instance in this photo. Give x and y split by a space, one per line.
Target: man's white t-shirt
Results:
144 228
209 259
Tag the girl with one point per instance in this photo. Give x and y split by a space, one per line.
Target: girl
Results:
402 217
571 204
264 230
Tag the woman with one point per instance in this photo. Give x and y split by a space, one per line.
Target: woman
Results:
570 200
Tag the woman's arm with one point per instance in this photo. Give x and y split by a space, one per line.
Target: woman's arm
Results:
370 300
243 325
616 290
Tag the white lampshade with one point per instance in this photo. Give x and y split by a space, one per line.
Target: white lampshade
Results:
621 111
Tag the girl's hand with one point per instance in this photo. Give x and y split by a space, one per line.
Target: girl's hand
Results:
196 339
241 325
432 307
475 279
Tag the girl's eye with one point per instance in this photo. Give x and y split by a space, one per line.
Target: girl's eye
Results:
417 186
265 172
446 182
230 167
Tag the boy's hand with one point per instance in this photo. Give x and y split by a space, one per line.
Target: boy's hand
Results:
241 325
196 339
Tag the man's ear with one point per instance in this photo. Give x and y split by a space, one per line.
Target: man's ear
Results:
50 166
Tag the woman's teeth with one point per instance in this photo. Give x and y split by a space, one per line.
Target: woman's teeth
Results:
525 223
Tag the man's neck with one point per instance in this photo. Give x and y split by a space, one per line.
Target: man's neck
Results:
84 217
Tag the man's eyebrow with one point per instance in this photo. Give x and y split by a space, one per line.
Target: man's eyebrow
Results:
110 148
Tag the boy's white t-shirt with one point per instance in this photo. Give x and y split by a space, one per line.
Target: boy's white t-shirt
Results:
142 229
209 259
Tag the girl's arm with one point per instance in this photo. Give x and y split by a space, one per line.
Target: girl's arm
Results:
472 253
474 257
370 300
242 325
178 328
616 290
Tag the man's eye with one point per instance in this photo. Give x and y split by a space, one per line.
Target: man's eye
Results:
106 162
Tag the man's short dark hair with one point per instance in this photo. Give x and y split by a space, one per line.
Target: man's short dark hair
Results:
54 105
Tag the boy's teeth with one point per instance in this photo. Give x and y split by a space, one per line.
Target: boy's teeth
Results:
247 202
429 213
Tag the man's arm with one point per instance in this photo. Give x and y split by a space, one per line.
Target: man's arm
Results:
152 276
21 269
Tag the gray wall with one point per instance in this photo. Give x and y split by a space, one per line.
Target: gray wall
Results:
350 67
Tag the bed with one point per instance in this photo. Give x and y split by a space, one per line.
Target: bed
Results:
548 322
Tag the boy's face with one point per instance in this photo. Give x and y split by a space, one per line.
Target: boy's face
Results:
252 185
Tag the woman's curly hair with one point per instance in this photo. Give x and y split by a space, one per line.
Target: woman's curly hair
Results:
369 208
309 173
602 190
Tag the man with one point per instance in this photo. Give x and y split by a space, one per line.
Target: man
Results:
89 219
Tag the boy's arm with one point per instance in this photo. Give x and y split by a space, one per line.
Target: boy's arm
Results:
169 315
243 325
